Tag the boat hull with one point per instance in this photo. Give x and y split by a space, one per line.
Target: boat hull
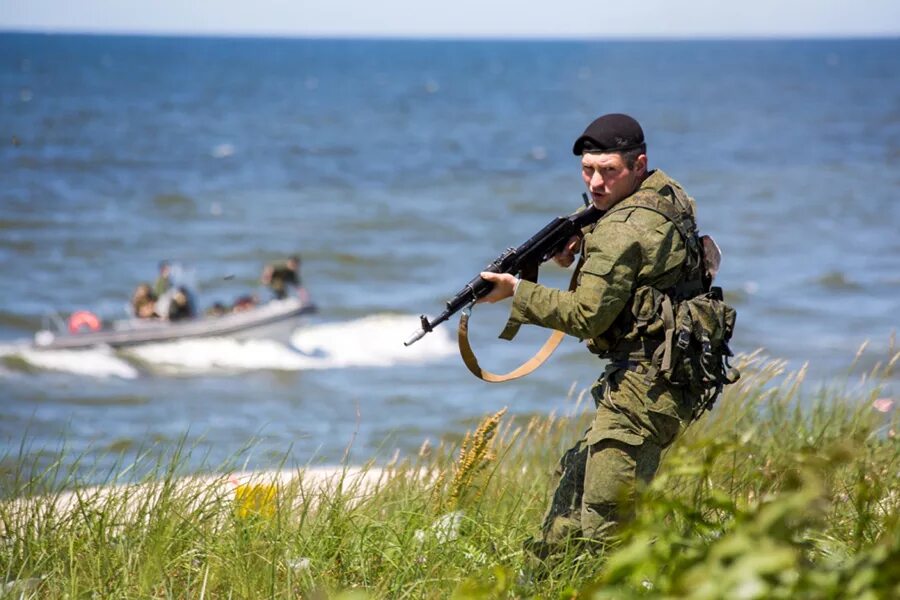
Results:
274 320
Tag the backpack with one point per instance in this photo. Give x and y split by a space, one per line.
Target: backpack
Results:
695 351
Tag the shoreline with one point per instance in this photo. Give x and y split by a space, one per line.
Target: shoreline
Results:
248 491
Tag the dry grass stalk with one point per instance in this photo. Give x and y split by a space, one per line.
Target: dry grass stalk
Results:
474 455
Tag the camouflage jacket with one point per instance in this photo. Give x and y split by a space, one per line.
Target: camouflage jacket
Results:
625 253
282 275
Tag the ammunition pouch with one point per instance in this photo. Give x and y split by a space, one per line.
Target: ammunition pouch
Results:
693 352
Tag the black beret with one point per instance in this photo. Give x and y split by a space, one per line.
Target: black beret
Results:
610 133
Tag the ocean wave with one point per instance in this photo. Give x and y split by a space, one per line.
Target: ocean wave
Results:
374 341
100 362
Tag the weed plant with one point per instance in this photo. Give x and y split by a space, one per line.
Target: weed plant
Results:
777 493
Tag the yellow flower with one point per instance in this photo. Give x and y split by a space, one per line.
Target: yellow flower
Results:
255 499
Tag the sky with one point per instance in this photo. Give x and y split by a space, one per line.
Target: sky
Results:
462 18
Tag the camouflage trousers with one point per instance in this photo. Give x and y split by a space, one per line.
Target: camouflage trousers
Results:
597 478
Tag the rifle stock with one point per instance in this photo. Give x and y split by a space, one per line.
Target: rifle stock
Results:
525 258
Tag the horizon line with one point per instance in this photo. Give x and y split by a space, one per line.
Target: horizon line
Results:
719 37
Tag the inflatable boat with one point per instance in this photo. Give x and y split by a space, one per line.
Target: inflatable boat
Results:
276 320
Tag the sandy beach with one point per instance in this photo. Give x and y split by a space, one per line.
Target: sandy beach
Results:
245 491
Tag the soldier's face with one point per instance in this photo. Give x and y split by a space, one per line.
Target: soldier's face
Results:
609 179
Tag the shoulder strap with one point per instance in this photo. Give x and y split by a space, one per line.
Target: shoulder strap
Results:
650 200
468 355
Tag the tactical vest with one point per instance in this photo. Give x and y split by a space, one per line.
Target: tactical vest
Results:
679 333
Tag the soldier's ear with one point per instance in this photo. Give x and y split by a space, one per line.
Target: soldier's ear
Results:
640 163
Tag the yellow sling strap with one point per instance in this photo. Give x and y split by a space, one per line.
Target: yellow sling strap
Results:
468 356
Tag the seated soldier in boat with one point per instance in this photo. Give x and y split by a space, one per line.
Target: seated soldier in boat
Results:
216 310
143 302
243 303
180 306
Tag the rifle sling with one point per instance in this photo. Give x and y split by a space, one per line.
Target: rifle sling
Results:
468 356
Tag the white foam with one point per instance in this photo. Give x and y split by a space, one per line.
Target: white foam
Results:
375 341
222 150
216 354
372 341
95 362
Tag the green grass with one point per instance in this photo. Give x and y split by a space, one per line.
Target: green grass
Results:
780 492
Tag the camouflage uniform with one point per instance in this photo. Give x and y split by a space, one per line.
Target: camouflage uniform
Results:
629 251
282 276
161 285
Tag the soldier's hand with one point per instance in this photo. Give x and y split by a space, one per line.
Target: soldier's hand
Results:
566 256
504 286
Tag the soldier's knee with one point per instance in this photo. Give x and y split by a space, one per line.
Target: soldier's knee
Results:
610 471
609 486
601 520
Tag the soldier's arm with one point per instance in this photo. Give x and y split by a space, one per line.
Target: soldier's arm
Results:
614 259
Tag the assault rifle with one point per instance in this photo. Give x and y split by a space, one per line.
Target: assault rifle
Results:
522 261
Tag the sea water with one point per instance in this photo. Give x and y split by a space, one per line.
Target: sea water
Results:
398 169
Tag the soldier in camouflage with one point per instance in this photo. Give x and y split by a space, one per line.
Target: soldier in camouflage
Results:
282 276
636 249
